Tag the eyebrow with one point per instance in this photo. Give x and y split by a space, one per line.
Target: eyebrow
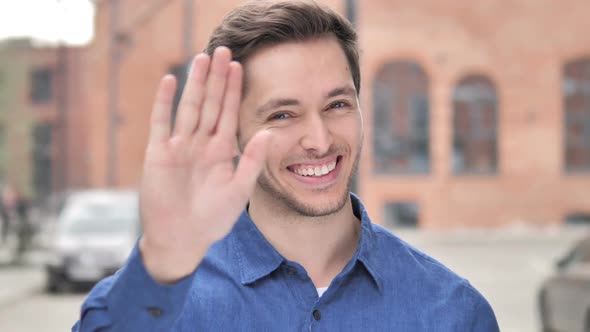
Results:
281 102
275 103
341 91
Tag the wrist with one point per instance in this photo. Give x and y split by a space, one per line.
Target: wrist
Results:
168 265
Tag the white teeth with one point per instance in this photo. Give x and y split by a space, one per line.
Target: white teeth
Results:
317 170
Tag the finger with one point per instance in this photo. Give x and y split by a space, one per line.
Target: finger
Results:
251 162
192 97
215 91
228 119
160 118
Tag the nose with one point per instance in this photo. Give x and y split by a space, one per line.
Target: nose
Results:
317 136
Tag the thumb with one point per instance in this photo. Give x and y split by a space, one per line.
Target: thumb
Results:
252 161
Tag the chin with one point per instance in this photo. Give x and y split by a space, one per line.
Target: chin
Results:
320 210
306 197
319 204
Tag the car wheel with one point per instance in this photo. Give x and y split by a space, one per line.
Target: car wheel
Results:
57 283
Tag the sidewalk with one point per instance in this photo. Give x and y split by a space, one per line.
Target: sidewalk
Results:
20 281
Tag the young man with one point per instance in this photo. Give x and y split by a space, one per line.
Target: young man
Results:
303 254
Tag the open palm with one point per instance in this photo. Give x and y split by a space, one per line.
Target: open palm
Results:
191 194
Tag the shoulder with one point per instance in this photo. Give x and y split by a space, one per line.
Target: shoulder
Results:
422 280
408 264
394 248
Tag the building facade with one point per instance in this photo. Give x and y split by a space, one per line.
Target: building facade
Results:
477 113
488 109
40 130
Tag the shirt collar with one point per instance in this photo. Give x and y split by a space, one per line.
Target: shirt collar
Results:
257 258
367 251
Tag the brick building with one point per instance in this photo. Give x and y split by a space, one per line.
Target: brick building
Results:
477 113
482 88
40 97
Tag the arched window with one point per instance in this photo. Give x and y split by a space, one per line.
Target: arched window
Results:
401 119
475 126
576 95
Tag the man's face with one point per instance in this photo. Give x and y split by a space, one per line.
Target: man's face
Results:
303 93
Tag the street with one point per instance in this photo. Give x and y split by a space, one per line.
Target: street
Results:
41 312
507 266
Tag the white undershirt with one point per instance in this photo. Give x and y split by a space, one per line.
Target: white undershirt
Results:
321 291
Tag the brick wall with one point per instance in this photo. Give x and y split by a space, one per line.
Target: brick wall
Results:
518 45
521 46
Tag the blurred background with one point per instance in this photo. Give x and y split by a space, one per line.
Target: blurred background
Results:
477 142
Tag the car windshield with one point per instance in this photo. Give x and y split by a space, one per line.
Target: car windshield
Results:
100 217
581 252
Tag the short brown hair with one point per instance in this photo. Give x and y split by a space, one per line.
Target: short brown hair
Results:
258 24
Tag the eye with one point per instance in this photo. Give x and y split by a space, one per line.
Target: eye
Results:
339 104
279 116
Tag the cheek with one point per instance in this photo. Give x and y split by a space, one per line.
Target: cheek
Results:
282 142
349 129
246 130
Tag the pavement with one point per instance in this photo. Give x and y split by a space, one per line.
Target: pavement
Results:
507 265
19 280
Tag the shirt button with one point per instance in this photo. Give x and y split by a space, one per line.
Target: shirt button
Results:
155 312
291 271
317 315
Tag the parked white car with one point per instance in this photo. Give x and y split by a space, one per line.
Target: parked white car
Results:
564 298
93 235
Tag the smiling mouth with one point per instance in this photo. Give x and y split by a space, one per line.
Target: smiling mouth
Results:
317 170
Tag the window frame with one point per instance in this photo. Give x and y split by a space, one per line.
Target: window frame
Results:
476 102
572 88
391 145
42 81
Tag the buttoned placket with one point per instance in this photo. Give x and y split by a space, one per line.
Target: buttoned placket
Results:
304 290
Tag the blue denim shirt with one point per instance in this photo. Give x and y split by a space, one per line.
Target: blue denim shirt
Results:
244 284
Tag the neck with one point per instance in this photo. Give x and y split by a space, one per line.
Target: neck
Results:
322 245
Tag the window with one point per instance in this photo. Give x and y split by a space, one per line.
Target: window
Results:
577 219
181 74
576 94
401 214
42 159
474 126
401 119
41 85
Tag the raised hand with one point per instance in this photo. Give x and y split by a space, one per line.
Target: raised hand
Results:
191 194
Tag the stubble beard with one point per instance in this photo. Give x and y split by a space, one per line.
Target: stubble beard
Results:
301 208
